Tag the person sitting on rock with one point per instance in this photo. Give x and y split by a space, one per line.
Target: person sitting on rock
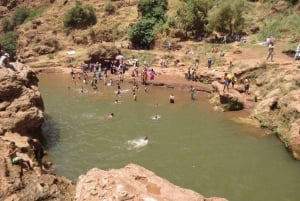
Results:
16 160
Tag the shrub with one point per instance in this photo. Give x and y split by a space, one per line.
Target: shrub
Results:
153 8
34 14
6 25
20 16
9 42
142 33
80 16
109 7
172 22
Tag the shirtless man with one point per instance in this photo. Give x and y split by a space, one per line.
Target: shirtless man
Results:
15 160
38 151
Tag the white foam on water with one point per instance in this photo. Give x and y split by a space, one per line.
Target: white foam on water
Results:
123 91
137 143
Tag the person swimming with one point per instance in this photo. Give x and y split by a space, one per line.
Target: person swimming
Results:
111 116
138 143
156 117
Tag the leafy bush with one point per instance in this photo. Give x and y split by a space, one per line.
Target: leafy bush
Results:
109 7
6 25
20 16
153 8
228 18
80 16
142 34
9 42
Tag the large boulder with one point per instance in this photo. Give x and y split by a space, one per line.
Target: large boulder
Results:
131 183
231 100
21 105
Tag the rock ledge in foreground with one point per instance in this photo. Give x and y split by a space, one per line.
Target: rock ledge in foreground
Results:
132 183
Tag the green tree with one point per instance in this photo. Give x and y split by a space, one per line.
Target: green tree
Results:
153 9
142 34
80 16
193 16
8 41
153 12
20 16
228 18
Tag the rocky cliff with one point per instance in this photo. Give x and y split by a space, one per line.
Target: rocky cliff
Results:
21 105
21 114
274 99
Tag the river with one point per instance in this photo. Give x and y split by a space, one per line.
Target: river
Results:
191 145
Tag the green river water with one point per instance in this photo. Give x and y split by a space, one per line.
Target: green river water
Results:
190 145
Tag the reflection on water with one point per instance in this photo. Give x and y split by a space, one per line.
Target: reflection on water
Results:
191 145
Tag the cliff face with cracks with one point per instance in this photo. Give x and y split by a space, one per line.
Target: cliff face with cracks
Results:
22 113
21 105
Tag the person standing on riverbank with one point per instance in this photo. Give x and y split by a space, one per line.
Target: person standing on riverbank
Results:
209 62
38 151
246 86
270 51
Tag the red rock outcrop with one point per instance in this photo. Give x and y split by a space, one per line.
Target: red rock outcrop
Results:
132 183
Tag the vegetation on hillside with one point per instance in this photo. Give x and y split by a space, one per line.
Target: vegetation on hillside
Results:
153 12
8 42
80 16
169 19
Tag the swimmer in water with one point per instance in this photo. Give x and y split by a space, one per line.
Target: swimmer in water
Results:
172 98
117 101
111 116
139 143
156 117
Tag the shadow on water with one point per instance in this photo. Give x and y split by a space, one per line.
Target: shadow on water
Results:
50 132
